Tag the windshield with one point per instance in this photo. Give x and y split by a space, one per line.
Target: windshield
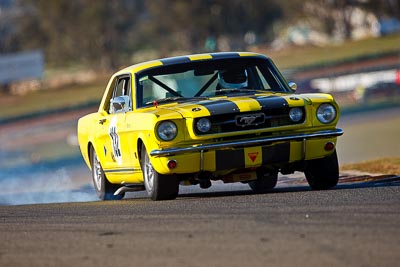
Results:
204 79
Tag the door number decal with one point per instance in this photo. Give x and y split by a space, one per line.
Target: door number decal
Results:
115 142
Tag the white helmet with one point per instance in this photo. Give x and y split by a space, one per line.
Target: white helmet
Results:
233 78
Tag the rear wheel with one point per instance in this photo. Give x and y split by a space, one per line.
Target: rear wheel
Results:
104 189
158 186
266 181
323 173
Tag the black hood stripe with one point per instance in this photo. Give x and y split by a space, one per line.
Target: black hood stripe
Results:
220 107
271 102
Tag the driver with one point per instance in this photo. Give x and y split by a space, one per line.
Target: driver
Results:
233 78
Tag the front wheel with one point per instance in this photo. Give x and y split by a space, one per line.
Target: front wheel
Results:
322 173
158 186
104 189
266 181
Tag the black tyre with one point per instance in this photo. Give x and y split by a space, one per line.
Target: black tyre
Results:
104 189
323 173
266 181
158 186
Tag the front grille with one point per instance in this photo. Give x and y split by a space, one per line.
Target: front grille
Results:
246 121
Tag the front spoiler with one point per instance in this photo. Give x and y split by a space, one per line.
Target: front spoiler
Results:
245 143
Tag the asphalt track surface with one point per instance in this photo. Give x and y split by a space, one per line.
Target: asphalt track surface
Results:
355 224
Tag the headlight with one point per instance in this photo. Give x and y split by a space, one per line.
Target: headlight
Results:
296 114
203 125
326 113
167 130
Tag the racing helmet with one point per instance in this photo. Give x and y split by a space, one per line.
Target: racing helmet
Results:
233 78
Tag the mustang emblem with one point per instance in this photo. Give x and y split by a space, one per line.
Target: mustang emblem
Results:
247 120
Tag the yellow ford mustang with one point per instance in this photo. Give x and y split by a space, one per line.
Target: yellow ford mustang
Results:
194 119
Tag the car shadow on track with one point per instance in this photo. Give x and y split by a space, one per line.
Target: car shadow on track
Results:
301 186
285 186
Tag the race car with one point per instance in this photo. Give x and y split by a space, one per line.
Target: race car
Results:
195 119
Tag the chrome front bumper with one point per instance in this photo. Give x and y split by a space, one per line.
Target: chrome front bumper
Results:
245 143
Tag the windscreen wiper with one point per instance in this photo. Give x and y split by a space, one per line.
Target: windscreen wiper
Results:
175 99
237 90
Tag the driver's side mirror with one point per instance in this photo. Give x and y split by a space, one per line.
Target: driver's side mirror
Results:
120 104
293 86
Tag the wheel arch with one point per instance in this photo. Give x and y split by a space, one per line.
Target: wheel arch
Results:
89 151
140 145
91 146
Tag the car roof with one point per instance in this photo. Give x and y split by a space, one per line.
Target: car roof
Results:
186 59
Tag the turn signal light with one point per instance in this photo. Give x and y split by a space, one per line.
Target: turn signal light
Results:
172 164
329 146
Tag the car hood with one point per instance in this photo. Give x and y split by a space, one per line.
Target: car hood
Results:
225 105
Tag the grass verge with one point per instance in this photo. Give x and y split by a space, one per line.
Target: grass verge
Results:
383 166
302 56
50 99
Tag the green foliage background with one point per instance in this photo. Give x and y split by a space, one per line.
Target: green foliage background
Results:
107 34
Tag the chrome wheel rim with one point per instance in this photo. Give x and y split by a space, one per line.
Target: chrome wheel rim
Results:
97 172
149 175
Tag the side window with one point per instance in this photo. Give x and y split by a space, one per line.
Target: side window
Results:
121 96
122 87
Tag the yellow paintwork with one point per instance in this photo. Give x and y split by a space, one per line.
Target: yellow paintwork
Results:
314 149
136 128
